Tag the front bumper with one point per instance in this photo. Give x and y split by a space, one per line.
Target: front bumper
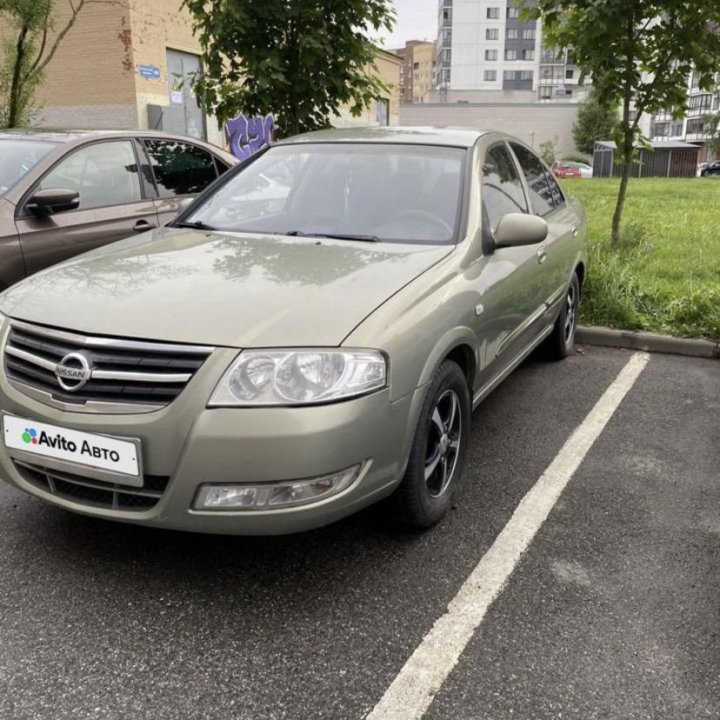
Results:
188 445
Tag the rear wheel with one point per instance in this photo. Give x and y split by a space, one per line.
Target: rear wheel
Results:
438 451
561 342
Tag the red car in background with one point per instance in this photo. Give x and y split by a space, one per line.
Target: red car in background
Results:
565 170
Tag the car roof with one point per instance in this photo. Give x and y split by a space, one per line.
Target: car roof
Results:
68 136
447 136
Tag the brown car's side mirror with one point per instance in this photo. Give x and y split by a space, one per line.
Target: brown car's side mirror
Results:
53 200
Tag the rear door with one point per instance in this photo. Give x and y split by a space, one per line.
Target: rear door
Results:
181 171
112 206
557 252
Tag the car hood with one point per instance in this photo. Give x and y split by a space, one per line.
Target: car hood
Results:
235 290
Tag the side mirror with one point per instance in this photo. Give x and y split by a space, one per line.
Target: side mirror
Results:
51 201
516 229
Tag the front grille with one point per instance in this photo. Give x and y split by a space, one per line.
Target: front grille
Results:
131 375
94 493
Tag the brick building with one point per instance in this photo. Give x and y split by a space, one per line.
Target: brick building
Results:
417 72
130 65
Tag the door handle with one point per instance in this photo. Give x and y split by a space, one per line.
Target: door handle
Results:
142 226
541 255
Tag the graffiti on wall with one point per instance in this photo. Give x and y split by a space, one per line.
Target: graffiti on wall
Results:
247 135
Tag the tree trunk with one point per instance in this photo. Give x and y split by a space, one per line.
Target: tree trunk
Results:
619 206
16 86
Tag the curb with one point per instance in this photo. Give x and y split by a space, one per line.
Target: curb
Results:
649 342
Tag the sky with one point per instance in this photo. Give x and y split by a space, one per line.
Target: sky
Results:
415 20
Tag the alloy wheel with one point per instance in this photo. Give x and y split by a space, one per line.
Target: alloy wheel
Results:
443 447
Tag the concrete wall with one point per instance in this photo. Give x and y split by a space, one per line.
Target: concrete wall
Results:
534 123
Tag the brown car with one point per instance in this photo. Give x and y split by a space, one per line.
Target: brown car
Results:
63 193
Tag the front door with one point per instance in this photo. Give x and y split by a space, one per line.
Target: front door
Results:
509 280
183 69
112 207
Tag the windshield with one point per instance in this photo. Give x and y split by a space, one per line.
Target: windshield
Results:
17 157
381 192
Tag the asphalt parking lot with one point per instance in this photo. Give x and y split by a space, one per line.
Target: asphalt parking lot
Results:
613 611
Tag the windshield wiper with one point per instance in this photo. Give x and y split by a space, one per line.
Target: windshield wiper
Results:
333 236
195 224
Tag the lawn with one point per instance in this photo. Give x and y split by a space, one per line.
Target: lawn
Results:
665 276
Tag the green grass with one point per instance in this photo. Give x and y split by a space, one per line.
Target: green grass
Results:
665 276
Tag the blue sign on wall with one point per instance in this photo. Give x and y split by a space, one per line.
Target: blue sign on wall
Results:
150 72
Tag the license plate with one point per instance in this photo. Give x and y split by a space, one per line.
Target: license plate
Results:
73 446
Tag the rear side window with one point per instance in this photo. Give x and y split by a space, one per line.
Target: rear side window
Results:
502 190
104 174
180 168
545 194
555 191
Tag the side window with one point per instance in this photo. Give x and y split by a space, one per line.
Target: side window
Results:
555 191
221 167
541 193
180 168
502 190
104 174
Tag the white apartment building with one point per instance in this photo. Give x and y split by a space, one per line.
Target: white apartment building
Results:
485 45
691 128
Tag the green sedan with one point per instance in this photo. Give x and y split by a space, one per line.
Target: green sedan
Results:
310 336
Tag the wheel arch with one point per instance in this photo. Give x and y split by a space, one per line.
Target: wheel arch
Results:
459 345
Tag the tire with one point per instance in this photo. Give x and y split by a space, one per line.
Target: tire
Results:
561 341
438 451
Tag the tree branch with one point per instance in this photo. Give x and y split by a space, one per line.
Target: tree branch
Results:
42 63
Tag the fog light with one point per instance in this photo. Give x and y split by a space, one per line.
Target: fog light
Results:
275 495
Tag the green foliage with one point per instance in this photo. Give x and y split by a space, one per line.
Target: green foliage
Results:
578 158
639 54
547 151
711 130
28 20
665 275
594 122
301 60
27 53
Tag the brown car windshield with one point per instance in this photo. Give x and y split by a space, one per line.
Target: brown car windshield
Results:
365 191
17 157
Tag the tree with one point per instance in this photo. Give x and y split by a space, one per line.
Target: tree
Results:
640 54
594 122
548 151
26 56
711 130
301 60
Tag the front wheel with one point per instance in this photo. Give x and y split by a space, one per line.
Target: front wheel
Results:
438 451
561 341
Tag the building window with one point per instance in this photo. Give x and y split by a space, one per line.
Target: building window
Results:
491 54
569 74
513 12
493 13
518 75
545 93
528 55
528 34
491 34
511 34
490 75
511 54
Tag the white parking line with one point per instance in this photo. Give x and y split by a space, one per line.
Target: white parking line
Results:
422 676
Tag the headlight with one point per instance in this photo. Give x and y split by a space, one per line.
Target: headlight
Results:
299 377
